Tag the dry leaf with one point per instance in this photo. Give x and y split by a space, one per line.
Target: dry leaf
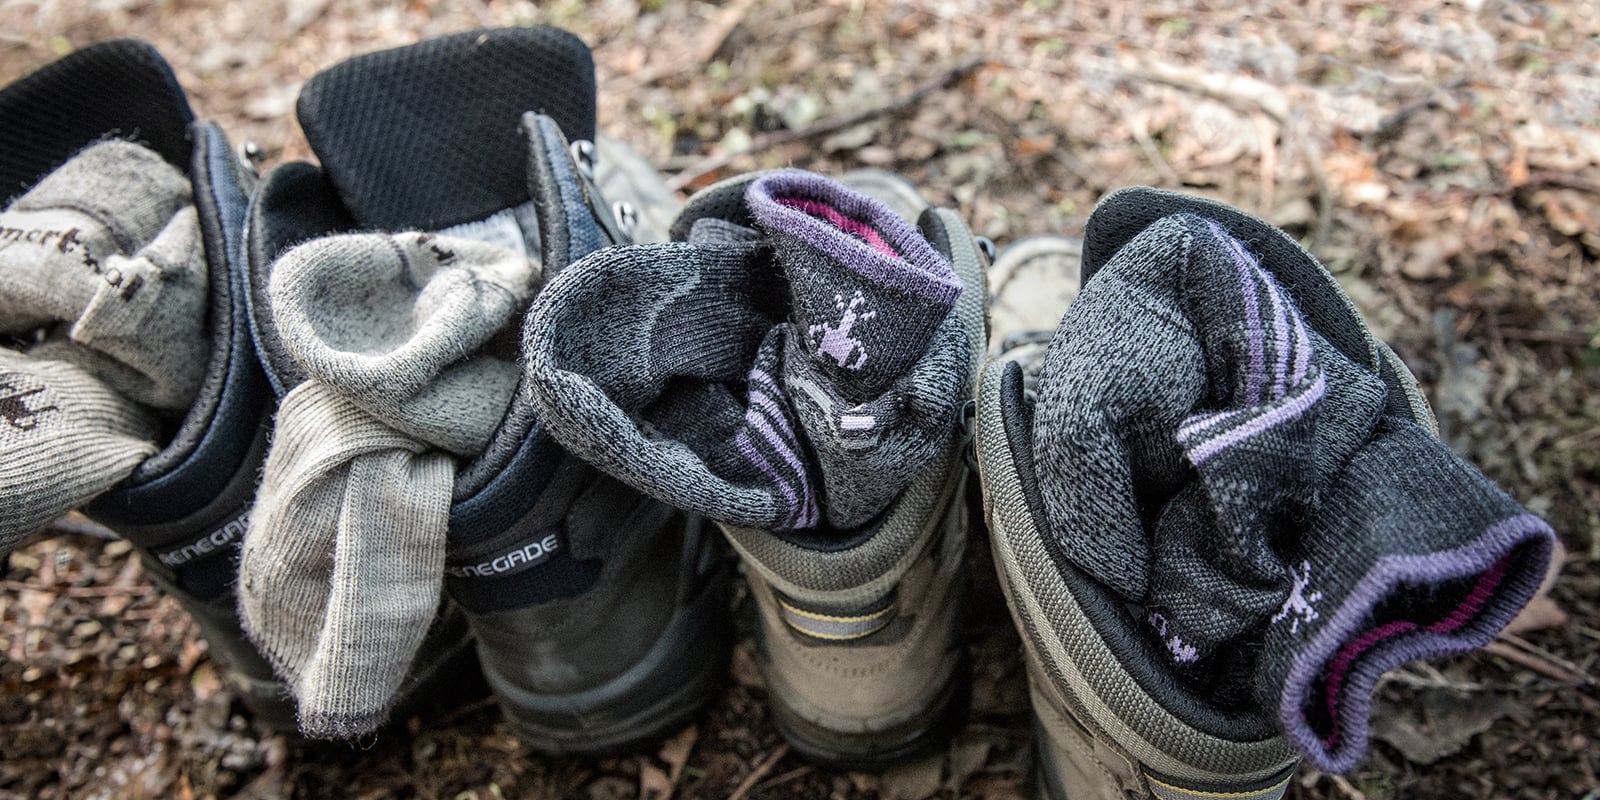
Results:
1439 723
36 604
205 681
1541 613
675 752
653 782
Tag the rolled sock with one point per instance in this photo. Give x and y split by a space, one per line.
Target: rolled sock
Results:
678 368
65 437
867 289
109 245
1205 451
868 294
343 564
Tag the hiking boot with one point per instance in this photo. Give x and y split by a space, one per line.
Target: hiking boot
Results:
796 373
389 285
175 473
1195 517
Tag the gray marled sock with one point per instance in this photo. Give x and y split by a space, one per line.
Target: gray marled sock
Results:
1206 451
390 321
677 367
102 260
65 437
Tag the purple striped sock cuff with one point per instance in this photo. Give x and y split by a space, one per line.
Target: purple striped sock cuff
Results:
860 233
1333 678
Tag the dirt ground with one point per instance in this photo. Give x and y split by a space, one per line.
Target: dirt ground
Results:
1443 158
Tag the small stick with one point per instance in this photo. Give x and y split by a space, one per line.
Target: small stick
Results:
76 591
822 127
1346 788
759 772
1538 664
1574 338
1538 652
788 776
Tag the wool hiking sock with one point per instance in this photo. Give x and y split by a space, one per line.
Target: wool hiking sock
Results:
109 245
385 321
391 330
101 262
789 367
1216 444
65 437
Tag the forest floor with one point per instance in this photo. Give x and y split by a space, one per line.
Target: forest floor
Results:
1442 158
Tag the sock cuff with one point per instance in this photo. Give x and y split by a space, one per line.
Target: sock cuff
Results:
1326 696
126 188
857 231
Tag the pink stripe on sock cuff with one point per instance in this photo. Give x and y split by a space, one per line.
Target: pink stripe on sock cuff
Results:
1348 655
833 216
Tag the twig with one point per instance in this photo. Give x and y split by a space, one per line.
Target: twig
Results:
1539 664
1269 162
823 127
1141 134
797 772
1575 338
75 591
759 772
468 710
1561 179
1433 679
1346 787
1538 652
705 48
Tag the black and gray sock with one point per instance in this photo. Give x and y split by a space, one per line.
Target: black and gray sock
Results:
790 366
1220 441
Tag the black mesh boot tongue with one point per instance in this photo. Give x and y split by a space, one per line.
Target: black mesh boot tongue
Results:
427 136
121 88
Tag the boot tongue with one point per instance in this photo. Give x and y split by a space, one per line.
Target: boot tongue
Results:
427 137
121 88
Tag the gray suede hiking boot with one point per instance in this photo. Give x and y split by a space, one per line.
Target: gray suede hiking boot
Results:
794 367
390 286
859 676
1195 512
1076 755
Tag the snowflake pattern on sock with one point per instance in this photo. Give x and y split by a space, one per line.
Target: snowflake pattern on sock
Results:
1182 652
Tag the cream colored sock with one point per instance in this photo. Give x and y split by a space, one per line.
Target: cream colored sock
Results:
342 568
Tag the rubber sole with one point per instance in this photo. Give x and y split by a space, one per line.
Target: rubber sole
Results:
876 750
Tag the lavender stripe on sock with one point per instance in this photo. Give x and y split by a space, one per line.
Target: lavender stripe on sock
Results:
1277 416
1252 311
753 454
1280 333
